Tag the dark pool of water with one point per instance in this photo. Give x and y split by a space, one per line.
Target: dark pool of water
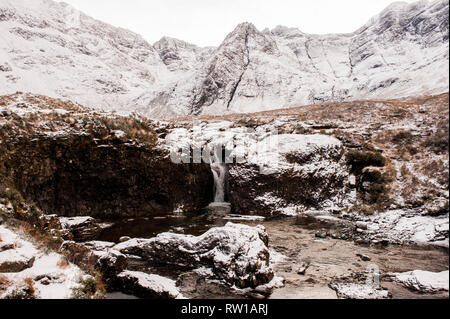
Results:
151 227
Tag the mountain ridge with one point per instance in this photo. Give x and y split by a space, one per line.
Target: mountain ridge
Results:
50 48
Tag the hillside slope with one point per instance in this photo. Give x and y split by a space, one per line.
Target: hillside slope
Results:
50 48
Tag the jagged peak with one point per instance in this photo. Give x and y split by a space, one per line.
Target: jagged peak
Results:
243 29
399 8
246 30
166 41
246 26
283 31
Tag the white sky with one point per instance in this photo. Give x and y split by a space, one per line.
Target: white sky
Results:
207 22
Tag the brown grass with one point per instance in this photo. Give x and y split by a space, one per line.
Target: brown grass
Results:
4 282
63 263
29 283
346 111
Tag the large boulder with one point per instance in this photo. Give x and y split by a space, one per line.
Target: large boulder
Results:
286 171
79 164
237 254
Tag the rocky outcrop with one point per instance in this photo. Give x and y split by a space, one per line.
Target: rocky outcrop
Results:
74 176
219 81
96 255
291 171
237 254
423 281
15 262
82 228
79 164
359 291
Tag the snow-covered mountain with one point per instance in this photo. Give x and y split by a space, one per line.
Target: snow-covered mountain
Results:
52 49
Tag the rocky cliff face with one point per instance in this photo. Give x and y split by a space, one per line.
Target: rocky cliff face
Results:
50 48
353 159
71 162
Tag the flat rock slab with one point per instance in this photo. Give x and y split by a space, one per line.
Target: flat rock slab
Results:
359 291
423 281
147 286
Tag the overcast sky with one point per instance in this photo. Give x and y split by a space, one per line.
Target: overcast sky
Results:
207 22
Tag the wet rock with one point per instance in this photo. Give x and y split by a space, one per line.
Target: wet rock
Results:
237 254
147 286
359 291
423 281
94 175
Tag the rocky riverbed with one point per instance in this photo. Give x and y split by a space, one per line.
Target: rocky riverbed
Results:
279 258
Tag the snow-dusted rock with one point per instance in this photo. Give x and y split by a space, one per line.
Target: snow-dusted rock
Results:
15 254
288 173
82 228
147 286
404 227
108 261
402 51
359 291
236 253
270 173
50 275
423 281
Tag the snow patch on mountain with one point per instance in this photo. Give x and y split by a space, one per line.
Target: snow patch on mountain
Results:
50 48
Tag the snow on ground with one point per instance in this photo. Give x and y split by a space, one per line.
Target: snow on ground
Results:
400 227
262 146
423 281
50 274
98 65
358 291
13 251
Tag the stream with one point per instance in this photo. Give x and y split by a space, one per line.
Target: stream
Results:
292 243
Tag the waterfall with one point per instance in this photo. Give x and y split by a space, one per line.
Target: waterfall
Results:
219 171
